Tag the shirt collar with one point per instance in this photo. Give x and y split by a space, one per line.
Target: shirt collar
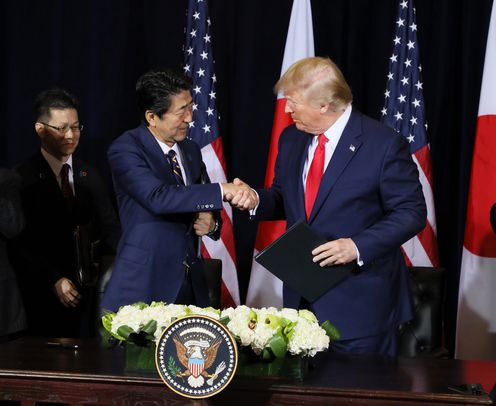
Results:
165 148
336 130
54 163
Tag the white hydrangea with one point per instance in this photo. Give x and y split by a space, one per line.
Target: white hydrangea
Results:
239 325
252 327
208 311
127 316
164 315
308 338
290 314
262 334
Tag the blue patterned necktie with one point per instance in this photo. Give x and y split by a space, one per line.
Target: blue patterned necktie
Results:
172 157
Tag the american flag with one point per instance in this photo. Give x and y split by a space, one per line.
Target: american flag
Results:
404 111
204 130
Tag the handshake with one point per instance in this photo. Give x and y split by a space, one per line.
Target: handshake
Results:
240 195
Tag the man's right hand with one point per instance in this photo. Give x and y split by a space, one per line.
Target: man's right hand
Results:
240 195
66 292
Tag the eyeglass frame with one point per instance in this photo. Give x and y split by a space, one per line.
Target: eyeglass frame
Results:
65 129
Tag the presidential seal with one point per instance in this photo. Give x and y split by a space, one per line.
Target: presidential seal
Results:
196 356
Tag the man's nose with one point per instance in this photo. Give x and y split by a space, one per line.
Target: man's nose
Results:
188 118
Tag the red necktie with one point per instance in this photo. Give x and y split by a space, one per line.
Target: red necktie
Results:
315 174
65 185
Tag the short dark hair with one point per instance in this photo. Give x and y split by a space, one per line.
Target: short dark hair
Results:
55 98
155 88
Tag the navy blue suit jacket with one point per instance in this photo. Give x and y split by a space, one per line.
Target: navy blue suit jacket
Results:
370 192
156 216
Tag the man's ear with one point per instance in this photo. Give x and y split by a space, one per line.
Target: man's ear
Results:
324 108
150 118
40 129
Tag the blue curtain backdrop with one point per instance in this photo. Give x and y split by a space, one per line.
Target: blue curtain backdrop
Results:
97 49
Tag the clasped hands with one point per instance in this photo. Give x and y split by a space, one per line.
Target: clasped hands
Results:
240 195
341 251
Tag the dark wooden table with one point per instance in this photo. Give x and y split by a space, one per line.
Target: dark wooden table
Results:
31 371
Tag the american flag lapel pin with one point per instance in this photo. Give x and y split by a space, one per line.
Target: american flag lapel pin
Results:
352 148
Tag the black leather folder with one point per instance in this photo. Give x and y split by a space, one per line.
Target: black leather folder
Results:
290 259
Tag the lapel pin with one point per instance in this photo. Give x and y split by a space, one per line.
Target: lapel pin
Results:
352 148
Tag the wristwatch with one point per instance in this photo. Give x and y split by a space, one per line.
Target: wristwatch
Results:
216 227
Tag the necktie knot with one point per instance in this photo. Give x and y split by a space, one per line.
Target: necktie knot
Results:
322 140
65 170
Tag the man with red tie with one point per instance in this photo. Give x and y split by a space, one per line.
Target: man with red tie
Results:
70 222
353 181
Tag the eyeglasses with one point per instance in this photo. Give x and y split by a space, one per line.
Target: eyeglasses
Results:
65 129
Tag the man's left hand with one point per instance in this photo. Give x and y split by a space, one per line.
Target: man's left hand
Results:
204 223
335 252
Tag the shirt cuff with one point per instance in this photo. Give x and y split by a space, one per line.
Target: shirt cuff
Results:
254 210
359 261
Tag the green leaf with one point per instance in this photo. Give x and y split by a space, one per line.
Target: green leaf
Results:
125 331
225 320
266 354
278 344
157 304
150 327
172 367
107 324
140 305
331 331
289 330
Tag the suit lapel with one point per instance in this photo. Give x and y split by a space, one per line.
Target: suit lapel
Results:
346 149
298 162
154 154
187 161
45 177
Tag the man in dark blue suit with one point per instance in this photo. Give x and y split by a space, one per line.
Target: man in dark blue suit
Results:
353 180
165 200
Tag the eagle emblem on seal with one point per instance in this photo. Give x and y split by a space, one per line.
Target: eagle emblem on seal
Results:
198 356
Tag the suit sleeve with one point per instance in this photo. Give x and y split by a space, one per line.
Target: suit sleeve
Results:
133 174
216 213
271 206
402 201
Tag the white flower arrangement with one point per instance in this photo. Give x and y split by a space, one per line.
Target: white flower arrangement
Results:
268 332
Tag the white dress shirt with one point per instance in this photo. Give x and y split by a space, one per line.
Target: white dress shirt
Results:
56 167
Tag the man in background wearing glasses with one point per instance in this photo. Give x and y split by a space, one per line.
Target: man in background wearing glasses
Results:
68 214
